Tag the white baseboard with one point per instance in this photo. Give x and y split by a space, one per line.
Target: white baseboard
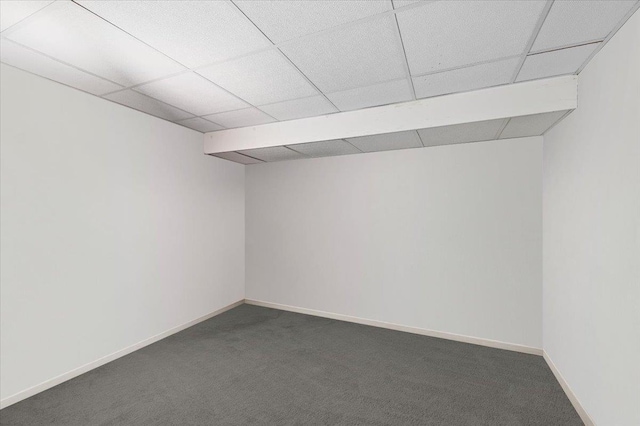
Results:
101 361
582 412
422 331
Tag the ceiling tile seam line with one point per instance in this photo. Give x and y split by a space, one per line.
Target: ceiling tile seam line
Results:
420 138
164 77
283 55
405 61
304 155
233 95
248 156
274 46
503 125
156 100
26 17
130 35
532 39
202 118
239 153
307 79
473 64
67 64
345 25
347 141
612 33
565 47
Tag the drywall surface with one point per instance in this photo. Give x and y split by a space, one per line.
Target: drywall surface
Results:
115 228
445 238
591 236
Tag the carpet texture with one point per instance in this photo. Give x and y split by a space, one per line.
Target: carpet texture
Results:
255 365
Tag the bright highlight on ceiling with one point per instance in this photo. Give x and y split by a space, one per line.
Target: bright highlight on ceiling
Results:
214 65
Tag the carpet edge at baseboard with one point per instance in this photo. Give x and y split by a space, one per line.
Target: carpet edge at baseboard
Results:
582 412
397 327
48 384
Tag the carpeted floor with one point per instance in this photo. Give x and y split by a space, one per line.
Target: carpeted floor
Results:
254 365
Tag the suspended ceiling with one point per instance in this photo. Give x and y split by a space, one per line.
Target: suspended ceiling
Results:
211 65
216 65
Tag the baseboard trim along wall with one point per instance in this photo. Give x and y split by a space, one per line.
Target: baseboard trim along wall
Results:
425 332
10 400
586 419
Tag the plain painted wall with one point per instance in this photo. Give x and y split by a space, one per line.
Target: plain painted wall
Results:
115 228
591 235
446 238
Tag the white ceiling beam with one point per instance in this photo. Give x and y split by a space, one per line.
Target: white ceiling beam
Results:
514 100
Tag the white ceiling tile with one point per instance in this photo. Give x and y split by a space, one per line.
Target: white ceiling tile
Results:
12 12
200 124
461 133
149 105
378 94
325 148
192 32
241 118
465 79
386 142
573 22
285 20
274 153
299 108
236 158
359 55
262 78
448 34
530 125
557 62
28 60
192 93
397 4
68 32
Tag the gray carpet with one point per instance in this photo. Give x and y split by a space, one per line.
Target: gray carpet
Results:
255 365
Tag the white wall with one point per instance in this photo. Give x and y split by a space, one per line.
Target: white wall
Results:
592 235
446 238
115 227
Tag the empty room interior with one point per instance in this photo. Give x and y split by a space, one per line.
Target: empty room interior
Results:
336 212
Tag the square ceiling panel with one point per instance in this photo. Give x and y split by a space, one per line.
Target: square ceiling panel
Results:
356 56
28 60
149 105
530 125
387 142
574 22
191 32
261 78
285 20
200 124
461 133
299 108
192 93
556 62
325 148
448 34
274 153
237 158
69 33
465 79
12 12
378 94
241 118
